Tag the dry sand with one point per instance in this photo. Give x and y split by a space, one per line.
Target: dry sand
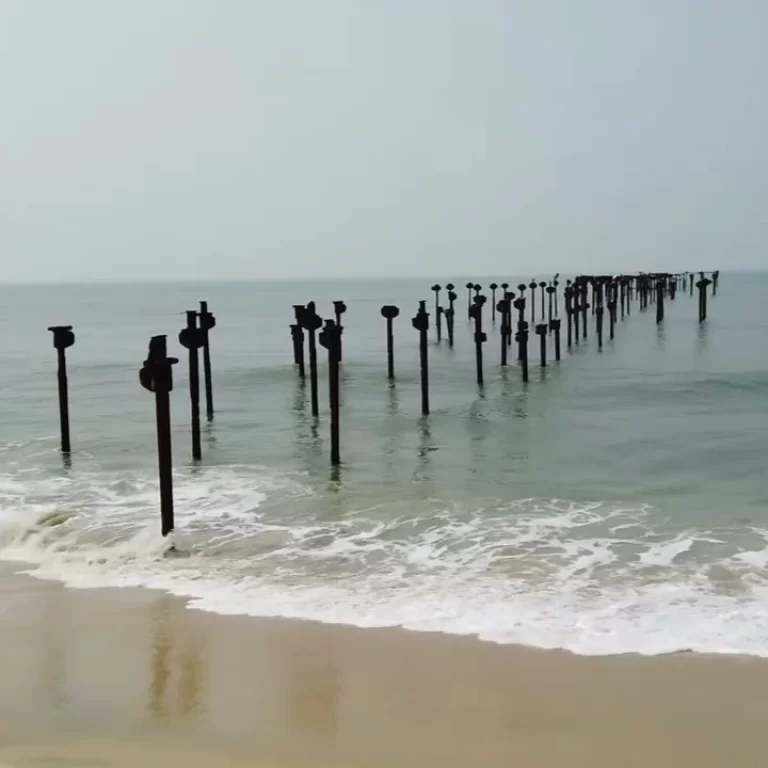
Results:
133 678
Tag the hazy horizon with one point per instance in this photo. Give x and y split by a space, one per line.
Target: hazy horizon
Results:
192 140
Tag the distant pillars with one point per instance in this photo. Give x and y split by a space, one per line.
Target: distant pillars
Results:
63 338
715 282
470 287
421 324
569 311
493 287
390 312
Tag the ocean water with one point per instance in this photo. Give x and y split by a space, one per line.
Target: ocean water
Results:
617 503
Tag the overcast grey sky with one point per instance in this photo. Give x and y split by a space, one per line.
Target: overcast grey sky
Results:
206 139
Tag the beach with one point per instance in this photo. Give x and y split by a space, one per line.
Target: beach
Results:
124 677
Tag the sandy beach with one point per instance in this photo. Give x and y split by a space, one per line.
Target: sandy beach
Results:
131 677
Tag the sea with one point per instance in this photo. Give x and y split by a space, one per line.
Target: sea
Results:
616 503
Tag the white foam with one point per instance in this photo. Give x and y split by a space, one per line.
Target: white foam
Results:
665 553
548 573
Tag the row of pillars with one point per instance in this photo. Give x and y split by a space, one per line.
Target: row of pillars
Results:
156 376
600 294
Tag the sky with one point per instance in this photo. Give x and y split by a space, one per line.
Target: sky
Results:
255 139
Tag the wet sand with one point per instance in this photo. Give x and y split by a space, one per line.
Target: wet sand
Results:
132 678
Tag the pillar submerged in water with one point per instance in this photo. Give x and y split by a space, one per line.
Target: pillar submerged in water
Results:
421 324
659 301
339 309
191 338
480 337
522 340
554 327
702 286
330 338
156 375
390 312
450 314
63 339
470 287
297 335
438 314
312 322
207 324
541 332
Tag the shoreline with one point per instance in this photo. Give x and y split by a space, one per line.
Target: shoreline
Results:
109 674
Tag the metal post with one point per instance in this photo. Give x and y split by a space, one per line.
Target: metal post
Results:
191 338
63 338
450 314
312 322
522 340
541 332
297 331
659 301
339 308
438 314
207 324
555 328
421 324
330 338
390 312
156 375
480 337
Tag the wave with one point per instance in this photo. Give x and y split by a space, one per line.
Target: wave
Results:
592 578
